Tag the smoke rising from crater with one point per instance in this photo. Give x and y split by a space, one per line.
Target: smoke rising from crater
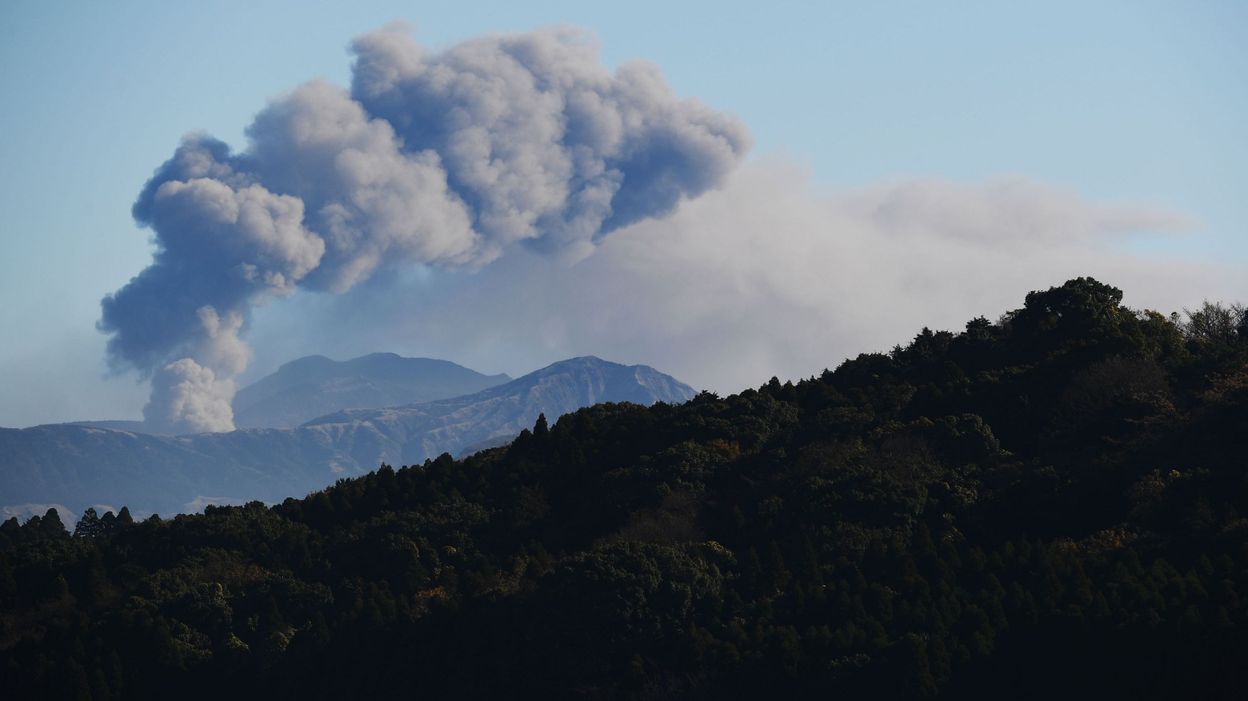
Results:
446 159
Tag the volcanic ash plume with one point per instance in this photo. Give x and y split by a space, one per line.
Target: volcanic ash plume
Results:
444 159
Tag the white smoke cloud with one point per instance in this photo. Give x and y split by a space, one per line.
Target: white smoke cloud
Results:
194 394
187 397
251 225
369 199
221 349
540 139
448 159
770 275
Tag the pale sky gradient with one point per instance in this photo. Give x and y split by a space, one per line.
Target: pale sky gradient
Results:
1117 102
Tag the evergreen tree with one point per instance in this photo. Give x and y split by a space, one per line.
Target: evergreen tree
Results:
89 525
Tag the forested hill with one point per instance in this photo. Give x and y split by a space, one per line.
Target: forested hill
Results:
1054 503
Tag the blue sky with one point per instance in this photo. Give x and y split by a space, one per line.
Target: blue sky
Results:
1141 102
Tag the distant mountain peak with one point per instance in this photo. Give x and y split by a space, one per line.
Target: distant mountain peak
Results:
589 361
460 425
315 385
307 360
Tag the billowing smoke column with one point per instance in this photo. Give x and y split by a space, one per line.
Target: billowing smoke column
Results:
440 159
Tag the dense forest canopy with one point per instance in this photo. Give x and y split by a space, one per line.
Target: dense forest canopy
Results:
1055 502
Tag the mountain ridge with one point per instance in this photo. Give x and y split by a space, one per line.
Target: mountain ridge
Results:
314 385
80 465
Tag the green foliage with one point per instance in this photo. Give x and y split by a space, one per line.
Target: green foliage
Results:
1055 501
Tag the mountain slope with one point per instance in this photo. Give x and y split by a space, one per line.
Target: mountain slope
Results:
413 433
81 465
313 386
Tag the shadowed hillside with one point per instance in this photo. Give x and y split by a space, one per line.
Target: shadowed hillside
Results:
1049 504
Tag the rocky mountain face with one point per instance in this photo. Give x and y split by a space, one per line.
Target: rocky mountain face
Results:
409 434
80 465
313 386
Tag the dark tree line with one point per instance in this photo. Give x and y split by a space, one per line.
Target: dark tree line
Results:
1052 503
